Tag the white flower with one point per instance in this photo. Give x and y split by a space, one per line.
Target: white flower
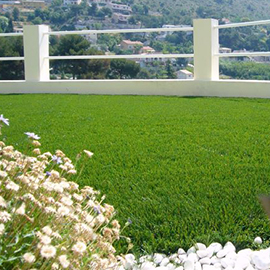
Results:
63 261
49 210
77 197
29 257
72 172
56 235
62 167
48 251
67 201
4 120
12 186
89 218
36 143
5 216
36 151
64 184
21 210
55 266
100 219
63 211
2 229
3 174
32 135
45 240
3 202
47 230
88 153
55 174
59 153
79 247
30 197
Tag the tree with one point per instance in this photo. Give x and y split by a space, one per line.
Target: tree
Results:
123 69
57 3
57 17
93 9
144 74
75 10
9 28
170 72
11 70
37 21
43 14
106 11
16 14
3 23
77 45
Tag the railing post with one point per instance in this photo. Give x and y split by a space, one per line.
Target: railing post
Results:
206 45
36 48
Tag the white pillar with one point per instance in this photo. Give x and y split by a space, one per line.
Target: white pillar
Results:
206 45
36 47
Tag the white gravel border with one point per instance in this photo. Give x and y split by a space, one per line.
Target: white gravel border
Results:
200 257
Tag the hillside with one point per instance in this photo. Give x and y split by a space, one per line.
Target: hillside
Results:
184 10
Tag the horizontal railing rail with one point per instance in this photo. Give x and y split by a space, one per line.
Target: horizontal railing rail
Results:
131 56
11 34
119 31
243 54
242 24
13 58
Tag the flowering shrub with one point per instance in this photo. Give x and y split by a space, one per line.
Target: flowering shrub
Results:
48 222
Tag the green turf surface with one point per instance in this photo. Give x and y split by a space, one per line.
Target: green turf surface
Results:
182 169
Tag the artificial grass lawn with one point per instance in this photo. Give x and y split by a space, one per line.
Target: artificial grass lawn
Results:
182 169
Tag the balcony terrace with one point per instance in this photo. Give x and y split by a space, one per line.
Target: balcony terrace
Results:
206 56
182 169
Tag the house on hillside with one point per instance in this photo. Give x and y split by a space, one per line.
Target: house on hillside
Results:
225 21
119 8
163 35
120 18
147 50
184 74
130 45
72 2
33 4
101 1
146 62
225 50
8 4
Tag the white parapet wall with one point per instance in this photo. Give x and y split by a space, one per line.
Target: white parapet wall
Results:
206 67
219 88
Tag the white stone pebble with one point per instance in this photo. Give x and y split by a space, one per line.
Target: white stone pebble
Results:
158 258
205 260
258 240
201 257
181 251
189 265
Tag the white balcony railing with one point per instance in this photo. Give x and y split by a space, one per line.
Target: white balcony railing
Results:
206 56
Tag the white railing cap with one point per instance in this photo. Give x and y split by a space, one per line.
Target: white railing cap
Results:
242 24
117 31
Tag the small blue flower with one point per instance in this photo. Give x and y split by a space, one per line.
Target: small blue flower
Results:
97 210
56 159
129 221
48 174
